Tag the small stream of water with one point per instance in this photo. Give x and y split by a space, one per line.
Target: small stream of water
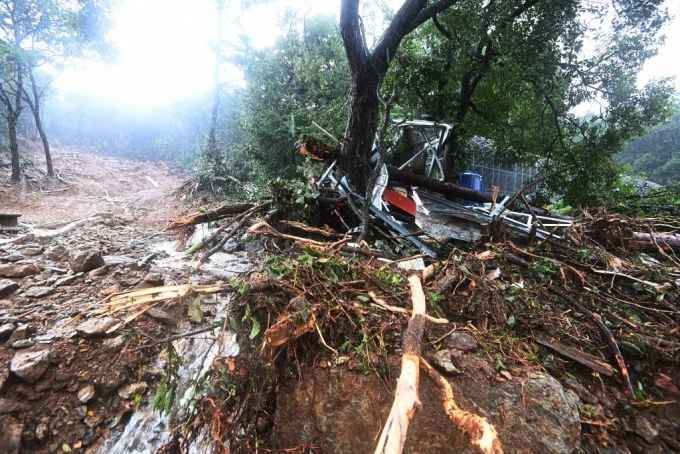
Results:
147 431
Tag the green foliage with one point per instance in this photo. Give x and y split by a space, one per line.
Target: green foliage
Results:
389 279
657 153
303 78
543 269
255 327
167 388
517 78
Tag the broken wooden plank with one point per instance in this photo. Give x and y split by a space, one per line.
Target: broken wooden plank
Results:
590 361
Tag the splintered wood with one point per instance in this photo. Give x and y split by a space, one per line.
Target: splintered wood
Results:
140 301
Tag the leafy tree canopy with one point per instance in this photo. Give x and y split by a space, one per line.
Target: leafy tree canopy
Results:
516 72
302 79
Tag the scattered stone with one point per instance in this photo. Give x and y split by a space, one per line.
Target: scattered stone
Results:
154 278
116 260
110 382
13 258
21 270
130 282
6 331
30 365
81 411
152 373
442 361
580 390
22 332
23 343
10 405
95 327
253 246
161 315
32 250
99 272
462 341
114 344
38 292
110 290
85 394
66 280
143 285
129 391
231 246
41 431
94 419
645 429
57 253
10 435
7 287
86 260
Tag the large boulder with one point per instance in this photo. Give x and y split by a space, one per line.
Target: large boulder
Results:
86 260
344 410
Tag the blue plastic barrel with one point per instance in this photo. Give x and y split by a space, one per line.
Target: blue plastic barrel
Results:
472 180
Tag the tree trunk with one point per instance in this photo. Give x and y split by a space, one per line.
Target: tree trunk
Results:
367 69
362 124
14 145
34 103
46 145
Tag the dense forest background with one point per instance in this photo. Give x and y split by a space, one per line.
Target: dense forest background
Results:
516 77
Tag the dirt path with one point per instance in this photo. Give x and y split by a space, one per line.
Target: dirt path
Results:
89 184
64 386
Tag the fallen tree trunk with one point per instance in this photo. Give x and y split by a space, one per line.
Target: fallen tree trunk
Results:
406 396
645 242
450 189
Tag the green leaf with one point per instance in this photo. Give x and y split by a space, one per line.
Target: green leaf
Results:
363 298
255 330
511 320
169 400
195 312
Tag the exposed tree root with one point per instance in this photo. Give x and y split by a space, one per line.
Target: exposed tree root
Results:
482 433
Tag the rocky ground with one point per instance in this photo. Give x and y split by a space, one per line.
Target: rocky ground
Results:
63 384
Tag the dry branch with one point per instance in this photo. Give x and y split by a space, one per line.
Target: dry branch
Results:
264 229
382 303
609 337
224 211
311 230
406 396
144 299
287 327
483 436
